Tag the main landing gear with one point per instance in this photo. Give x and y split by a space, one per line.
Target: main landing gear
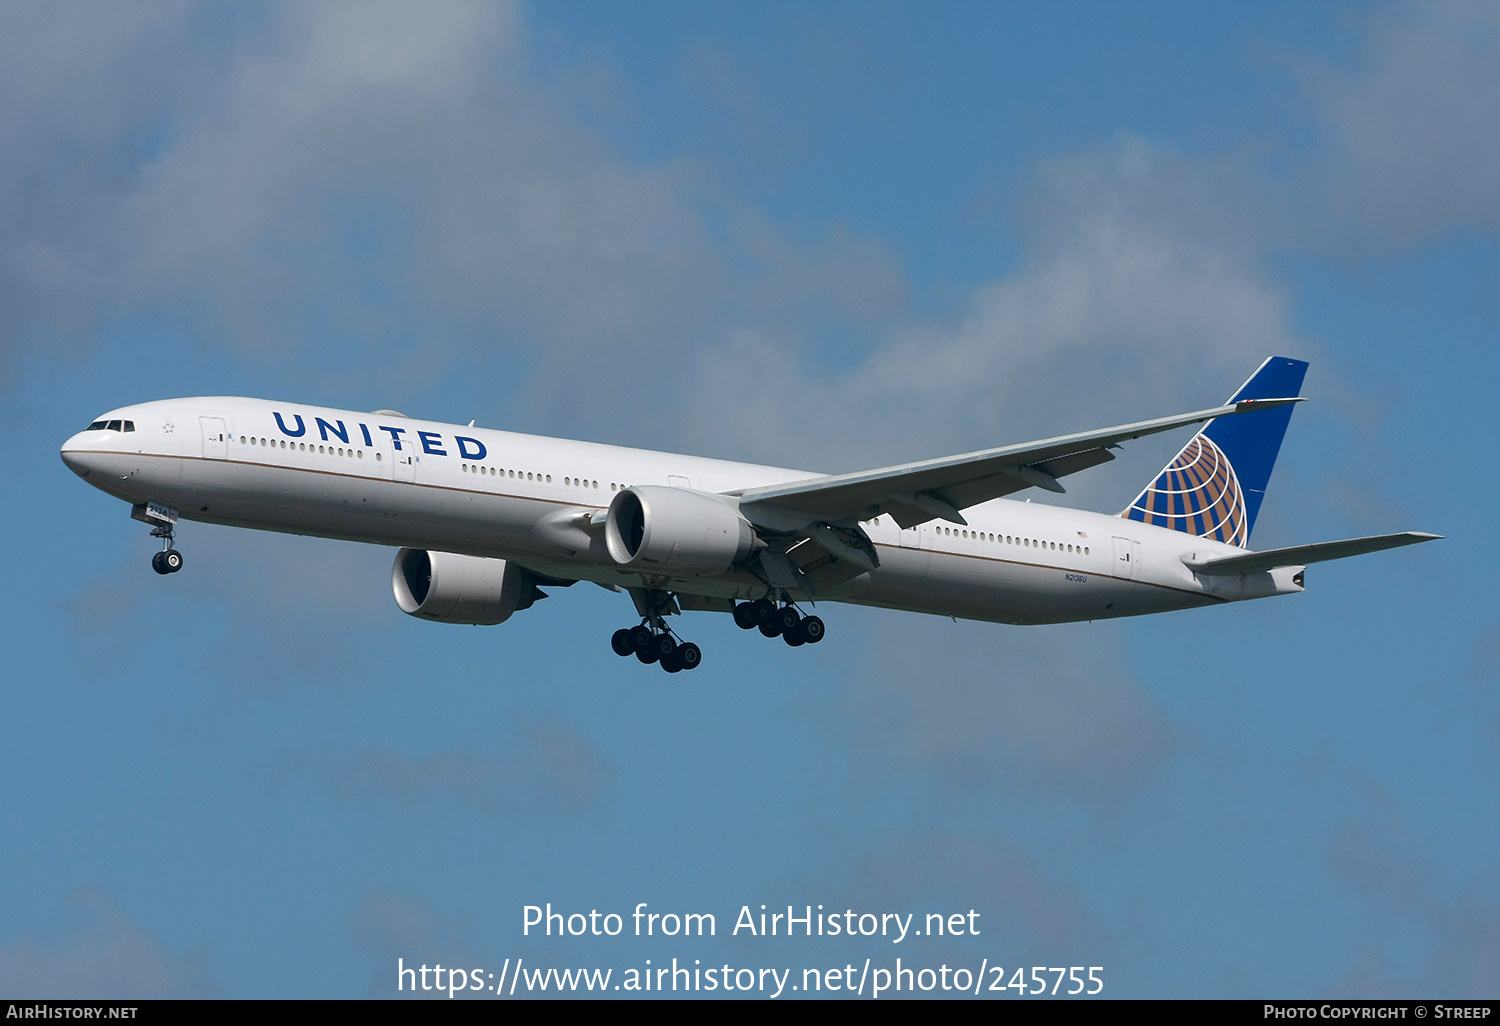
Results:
784 622
655 643
652 641
168 560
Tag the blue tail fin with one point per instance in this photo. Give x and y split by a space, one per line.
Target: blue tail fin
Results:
1213 488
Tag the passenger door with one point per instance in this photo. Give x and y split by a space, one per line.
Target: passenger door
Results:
215 438
1124 560
406 464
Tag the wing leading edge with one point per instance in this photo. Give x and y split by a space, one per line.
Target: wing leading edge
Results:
914 493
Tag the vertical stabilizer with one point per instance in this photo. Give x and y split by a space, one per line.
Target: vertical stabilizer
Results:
1213 488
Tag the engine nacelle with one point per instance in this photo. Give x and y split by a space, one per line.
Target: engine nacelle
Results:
676 530
450 588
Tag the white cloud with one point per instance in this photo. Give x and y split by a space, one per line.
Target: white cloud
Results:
1051 708
1413 141
1126 306
111 958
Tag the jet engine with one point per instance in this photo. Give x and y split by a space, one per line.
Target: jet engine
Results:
676 530
450 588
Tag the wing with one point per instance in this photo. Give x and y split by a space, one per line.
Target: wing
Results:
1301 555
915 493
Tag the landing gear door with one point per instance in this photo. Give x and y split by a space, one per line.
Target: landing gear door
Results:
406 464
911 538
215 438
1124 559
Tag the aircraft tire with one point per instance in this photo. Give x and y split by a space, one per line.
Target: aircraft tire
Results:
788 618
811 629
744 615
689 656
673 662
646 655
172 560
621 642
771 630
765 612
664 645
793 638
640 638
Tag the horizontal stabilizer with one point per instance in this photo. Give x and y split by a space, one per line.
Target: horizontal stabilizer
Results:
1301 555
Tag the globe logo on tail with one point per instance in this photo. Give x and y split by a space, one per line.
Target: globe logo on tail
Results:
1197 493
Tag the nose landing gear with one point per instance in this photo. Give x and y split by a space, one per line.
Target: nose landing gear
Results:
168 560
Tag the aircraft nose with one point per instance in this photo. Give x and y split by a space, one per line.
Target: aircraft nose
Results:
76 455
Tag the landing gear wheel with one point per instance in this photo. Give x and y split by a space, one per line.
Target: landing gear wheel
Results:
646 655
744 615
158 565
688 656
811 629
765 613
673 662
788 618
621 642
793 638
771 630
664 645
640 639
172 560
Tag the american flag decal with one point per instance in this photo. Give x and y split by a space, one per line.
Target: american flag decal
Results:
1198 493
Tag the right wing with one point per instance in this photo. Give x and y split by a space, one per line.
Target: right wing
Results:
914 493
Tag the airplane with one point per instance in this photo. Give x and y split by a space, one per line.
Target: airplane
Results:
483 520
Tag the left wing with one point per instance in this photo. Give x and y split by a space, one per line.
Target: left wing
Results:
914 493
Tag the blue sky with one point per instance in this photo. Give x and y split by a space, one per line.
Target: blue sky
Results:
835 236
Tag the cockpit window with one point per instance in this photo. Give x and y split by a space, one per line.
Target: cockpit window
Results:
130 425
114 425
97 425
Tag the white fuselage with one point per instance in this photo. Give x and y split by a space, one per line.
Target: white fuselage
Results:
391 480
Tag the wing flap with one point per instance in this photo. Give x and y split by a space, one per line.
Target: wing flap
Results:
1301 555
